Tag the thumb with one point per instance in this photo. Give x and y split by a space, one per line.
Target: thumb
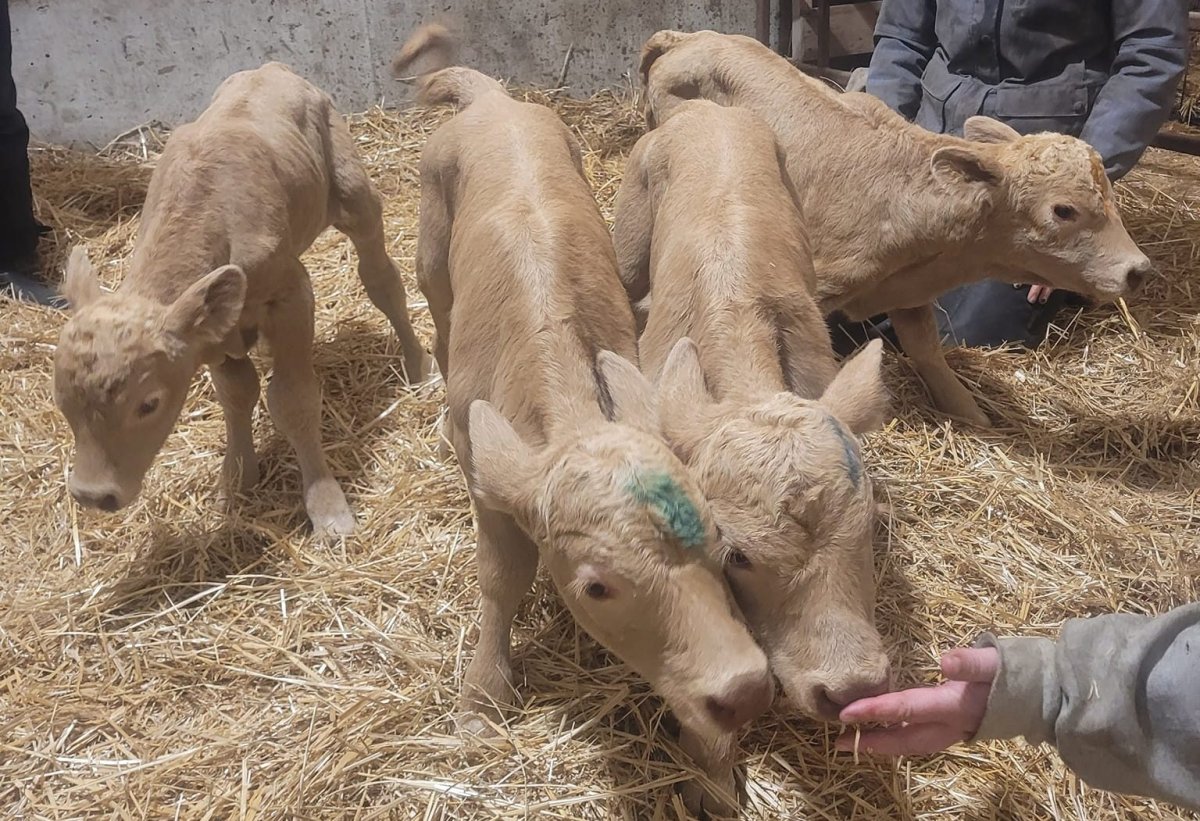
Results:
978 664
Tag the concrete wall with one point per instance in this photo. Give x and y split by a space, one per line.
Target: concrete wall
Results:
87 70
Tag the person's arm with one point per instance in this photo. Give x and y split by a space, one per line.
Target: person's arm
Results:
1119 696
904 42
1151 53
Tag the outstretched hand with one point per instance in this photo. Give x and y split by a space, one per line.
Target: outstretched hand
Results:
926 720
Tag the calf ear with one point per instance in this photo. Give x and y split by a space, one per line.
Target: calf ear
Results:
958 164
80 285
986 130
502 465
634 402
856 396
210 308
682 397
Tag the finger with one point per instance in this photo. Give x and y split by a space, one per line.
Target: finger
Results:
1032 296
922 705
913 739
971 664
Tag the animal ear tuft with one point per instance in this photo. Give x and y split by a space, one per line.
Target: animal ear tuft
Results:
80 285
986 130
857 396
210 308
633 399
962 165
502 464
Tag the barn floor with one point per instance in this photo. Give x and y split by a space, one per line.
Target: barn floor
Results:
192 658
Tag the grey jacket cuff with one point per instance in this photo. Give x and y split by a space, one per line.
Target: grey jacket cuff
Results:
1026 696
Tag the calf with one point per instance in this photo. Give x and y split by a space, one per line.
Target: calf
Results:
899 215
707 226
556 431
237 196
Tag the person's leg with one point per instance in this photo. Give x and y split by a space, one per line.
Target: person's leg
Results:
19 230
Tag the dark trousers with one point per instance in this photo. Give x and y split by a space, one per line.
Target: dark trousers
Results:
985 314
19 231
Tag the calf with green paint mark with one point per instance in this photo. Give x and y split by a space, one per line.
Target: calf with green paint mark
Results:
712 247
558 433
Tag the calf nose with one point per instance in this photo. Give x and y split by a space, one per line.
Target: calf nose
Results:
746 698
831 698
103 498
1136 275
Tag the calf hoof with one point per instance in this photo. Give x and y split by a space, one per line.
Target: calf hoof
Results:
703 803
425 367
472 724
973 416
327 509
240 475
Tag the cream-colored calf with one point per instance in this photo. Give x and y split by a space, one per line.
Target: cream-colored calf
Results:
556 431
708 230
898 215
236 198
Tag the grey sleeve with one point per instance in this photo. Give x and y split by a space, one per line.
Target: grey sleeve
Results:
1119 696
904 42
1150 37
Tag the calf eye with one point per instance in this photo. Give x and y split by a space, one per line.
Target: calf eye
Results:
596 590
148 407
1066 213
738 559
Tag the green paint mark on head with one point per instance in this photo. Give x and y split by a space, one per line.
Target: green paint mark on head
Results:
659 491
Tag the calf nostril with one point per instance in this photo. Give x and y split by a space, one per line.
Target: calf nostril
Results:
747 697
1135 278
108 503
721 711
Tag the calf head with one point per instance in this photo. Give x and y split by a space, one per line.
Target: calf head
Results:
1052 212
122 370
627 537
795 512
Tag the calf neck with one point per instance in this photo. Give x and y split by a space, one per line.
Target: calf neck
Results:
898 215
555 429
708 235
237 196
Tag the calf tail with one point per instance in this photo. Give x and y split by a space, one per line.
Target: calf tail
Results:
659 44
442 82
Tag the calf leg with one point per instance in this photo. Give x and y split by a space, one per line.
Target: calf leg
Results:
917 332
507 562
236 382
433 267
633 229
294 399
714 757
361 219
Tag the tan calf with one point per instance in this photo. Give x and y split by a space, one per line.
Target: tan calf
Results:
899 215
707 227
236 198
556 431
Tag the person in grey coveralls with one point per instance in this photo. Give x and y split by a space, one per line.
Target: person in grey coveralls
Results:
1102 70
1117 695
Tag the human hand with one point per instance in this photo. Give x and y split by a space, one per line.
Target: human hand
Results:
1038 294
926 720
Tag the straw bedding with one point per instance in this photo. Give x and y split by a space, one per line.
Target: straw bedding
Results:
193 657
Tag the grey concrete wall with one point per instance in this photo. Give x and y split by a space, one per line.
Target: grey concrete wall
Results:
87 70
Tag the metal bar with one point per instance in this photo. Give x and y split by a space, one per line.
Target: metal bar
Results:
1180 143
1194 20
785 16
762 22
822 9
